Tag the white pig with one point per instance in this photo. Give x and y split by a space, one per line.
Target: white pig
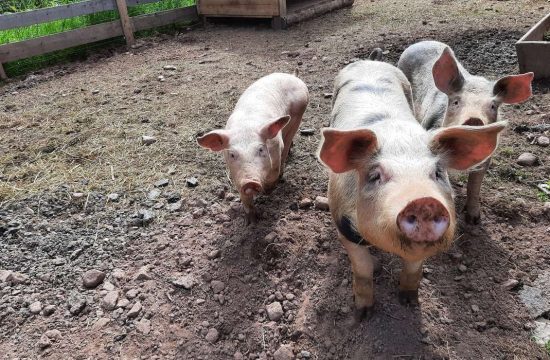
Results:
259 133
446 94
388 182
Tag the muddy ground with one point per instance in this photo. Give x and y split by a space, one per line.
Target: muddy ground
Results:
71 138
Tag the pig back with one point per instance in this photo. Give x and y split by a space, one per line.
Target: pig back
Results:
271 96
368 92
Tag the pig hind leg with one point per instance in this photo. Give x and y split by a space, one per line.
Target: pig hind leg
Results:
409 281
473 208
362 266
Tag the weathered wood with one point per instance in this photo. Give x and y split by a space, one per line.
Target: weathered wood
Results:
533 52
38 16
244 8
45 44
127 27
307 9
3 75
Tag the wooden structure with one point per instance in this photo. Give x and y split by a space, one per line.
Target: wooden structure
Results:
282 12
533 51
85 35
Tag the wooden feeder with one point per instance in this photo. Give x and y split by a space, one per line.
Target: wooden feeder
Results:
533 50
281 12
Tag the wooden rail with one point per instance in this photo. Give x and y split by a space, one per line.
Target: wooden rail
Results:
85 35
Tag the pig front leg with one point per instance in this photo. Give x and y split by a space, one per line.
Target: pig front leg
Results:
473 207
409 281
362 266
251 216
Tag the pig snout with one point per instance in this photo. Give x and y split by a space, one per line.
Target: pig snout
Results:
251 187
423 220
473 122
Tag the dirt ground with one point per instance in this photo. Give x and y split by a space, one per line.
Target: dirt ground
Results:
70 137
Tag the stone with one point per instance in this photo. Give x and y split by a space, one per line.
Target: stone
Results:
108 286
123 303
44 342
110 300
134 311
305 354
462 268
161 78
100 323
541 333
113 197
153 194
48 310
144 326
148 140
214 254
95 92
307 132
192 182
328 95
16 278
53 335
78 195
175 206
187 282
92 278
543 141
76 305
119 274
217 286
305 203
143 274
527 159
509 284
238 356
275 311
162 183
284 352
169 67
475 308
132 293
321 203
535 300
212 336
4 274
35 307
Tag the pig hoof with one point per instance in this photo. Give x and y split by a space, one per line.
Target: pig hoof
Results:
364 313
408 297
472 219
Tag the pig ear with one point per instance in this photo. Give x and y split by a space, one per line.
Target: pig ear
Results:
466 146
216 140
514 89
447 76
343 151
271 130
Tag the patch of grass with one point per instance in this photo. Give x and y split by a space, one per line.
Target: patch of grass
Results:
542 195
507 151
547 347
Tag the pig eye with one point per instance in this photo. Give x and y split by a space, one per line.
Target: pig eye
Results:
375 177
455 102
261 150
232 155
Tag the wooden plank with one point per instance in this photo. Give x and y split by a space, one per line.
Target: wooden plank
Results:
127 27
308 9
45 44
251 8
38 16
162 18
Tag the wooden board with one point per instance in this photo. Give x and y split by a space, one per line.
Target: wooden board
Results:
533 52
244 8
300 10
38 16
45 44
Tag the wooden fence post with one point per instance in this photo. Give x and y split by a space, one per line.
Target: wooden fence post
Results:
127 27
3 75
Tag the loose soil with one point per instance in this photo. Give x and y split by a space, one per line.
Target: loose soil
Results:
76 129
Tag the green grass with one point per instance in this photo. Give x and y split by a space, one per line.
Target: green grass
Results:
53 27
547 347
543 196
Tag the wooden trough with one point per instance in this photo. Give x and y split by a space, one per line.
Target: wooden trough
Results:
534 52
281 12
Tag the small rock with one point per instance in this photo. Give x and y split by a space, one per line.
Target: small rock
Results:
76 305
110 300
541 333
48 310
44 342
238 356
328 95
161 78
162 183
53 334
113 197
101 322
92 278
214 254
148 140
305 354
4 275
78 195
143 273
108 286
475 308
186 282
174 206
462 268
35 307
290 297
509 284
543 141
146 216
284 352
217 286
95 92
119 274
274 311
153 194
169 67
192 182
144 326
212 336
123 303
305 203
527 159
132 293
321 203
307 132
135 310
16 278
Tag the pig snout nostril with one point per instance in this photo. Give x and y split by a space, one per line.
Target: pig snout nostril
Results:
473 122
251 188
411 219
423 220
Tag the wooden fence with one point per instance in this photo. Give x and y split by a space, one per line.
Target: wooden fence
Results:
125 26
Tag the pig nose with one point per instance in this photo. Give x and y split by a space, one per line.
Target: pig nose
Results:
423 220
251 187
473 122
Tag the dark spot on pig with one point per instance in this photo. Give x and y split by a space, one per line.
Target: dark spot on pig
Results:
349 231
